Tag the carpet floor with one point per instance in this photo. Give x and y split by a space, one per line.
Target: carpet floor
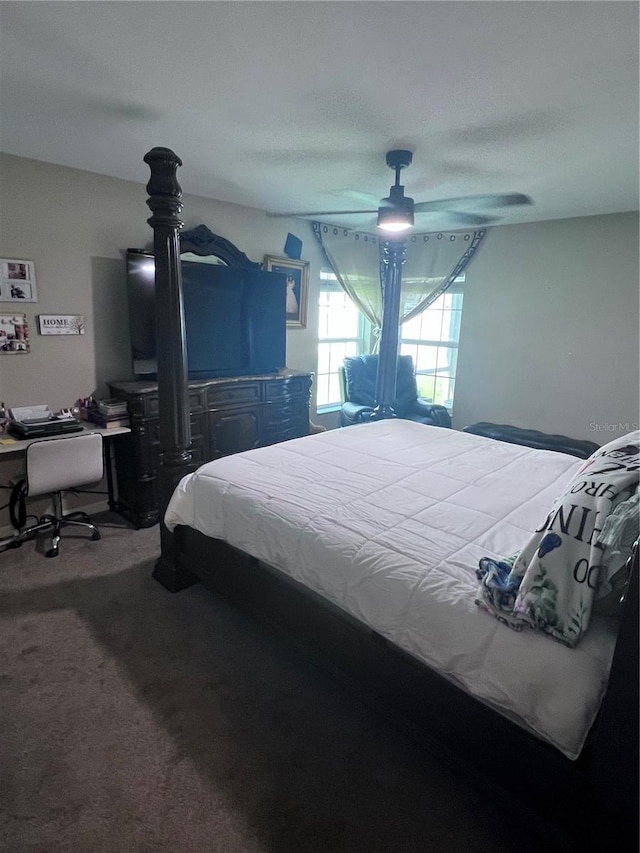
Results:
136 721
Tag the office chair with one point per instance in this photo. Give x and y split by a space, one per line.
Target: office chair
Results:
53 466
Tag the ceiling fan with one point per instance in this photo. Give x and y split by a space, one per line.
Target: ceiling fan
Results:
396 212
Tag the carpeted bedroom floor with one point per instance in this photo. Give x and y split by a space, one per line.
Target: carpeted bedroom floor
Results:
136 721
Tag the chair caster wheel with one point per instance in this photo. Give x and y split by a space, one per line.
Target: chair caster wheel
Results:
95 536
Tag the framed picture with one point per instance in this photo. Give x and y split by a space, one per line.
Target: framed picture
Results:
14 334
297 273
17 281
61 324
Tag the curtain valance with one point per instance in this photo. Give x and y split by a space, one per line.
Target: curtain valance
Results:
432 262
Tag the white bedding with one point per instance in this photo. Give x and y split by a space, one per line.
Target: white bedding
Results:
388 521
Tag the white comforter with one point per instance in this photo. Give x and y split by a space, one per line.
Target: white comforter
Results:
388 521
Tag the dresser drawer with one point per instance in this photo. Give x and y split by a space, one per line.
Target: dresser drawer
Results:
148 405
276 415
240 392
283 389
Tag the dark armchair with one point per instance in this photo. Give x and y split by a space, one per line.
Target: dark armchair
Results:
358 380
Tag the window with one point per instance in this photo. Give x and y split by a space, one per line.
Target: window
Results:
341 332
431 339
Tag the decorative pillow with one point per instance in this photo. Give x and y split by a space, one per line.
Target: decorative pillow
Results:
619 534
557 572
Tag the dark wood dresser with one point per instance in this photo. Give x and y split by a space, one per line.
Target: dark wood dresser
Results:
227 416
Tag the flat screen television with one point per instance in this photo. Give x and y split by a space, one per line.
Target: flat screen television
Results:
235 320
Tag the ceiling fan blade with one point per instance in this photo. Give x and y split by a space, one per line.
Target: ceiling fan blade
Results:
465 203
470 218
323 213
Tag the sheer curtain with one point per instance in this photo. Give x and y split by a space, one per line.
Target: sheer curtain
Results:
355 260
432 262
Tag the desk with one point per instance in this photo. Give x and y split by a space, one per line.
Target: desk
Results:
10 444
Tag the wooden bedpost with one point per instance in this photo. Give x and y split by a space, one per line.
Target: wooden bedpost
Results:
175 428
393 259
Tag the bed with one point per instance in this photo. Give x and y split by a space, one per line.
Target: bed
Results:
361 546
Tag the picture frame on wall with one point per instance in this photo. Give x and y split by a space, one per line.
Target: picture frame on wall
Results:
17 280
61 324
14 334
297 273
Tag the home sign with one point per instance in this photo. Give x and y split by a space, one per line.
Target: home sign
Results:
61 324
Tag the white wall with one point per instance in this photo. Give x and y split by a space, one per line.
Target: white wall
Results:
549 336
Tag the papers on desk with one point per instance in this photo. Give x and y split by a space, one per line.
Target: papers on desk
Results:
31 414
36 415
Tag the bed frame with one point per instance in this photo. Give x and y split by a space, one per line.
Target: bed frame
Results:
582 804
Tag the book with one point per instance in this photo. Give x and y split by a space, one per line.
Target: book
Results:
113 424
108 422
112 408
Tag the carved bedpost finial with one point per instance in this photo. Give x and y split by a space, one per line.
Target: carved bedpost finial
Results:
163 188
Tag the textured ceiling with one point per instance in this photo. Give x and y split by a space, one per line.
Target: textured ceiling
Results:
290 106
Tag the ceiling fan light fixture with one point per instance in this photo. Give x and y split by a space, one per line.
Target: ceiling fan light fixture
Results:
394 222
395 213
